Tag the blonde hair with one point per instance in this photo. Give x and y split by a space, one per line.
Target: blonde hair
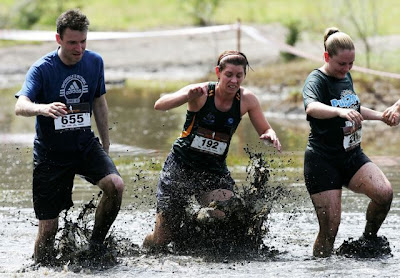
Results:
335 40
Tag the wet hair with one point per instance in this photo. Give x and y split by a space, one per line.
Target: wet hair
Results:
73 19
335 40
234 57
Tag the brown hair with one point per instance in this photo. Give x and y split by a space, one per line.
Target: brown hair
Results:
73 19
234 57
335 40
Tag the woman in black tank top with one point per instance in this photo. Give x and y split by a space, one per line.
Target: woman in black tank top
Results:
214 111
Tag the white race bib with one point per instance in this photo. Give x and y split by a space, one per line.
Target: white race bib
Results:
209 145
351 138
72 121
78 117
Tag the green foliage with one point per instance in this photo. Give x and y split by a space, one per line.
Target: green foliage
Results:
202 11
40 14
291 39
143 14
27 13
295 96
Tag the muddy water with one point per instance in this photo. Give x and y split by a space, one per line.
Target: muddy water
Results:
141 137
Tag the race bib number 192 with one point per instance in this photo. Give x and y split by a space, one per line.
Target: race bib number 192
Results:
209 145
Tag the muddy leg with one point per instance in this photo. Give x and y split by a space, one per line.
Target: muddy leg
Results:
44 245
327 205
371 181
108 208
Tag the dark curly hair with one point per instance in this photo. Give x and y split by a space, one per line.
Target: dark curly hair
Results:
73 19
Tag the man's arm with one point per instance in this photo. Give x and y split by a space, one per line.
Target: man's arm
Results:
25 107
100 112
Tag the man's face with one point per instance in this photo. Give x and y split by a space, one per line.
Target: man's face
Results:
72 46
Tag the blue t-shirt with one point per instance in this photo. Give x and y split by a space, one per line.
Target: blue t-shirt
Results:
50 80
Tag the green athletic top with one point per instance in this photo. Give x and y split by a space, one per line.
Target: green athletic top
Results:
330 137
206 134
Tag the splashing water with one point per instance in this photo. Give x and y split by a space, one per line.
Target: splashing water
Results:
73 249
241 232
239 235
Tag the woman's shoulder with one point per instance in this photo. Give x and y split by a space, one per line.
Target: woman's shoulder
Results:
248 97
247 94
317 74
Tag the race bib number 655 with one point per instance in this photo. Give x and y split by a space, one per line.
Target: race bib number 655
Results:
78 117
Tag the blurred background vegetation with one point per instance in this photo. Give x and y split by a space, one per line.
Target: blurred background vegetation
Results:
372 16
361 19
303 19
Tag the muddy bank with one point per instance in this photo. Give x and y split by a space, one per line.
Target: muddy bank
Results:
174 57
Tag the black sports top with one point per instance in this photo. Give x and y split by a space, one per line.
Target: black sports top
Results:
206 134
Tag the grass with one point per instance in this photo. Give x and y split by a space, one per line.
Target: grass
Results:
142 14
312 17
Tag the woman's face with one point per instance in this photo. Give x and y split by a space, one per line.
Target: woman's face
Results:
339 65
230 77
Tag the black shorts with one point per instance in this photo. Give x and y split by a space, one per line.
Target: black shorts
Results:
178 182
53 176
322 174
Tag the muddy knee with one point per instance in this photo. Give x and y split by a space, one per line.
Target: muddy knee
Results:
384 197
112 185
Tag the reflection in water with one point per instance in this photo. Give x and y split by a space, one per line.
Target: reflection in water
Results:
142 137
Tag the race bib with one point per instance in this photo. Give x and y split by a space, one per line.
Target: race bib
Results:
352 137
209 145
78 117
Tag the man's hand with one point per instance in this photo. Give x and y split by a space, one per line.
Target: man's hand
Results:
54 110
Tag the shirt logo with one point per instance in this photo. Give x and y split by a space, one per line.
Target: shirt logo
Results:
209 119
73 88
347 100
229 122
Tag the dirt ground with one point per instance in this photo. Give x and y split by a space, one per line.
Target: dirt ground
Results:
172 57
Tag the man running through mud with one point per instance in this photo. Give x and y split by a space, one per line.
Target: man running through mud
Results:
62 89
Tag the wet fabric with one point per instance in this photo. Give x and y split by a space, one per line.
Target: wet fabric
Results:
54 173
326 135
50 80
322 174
213 127
178 182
